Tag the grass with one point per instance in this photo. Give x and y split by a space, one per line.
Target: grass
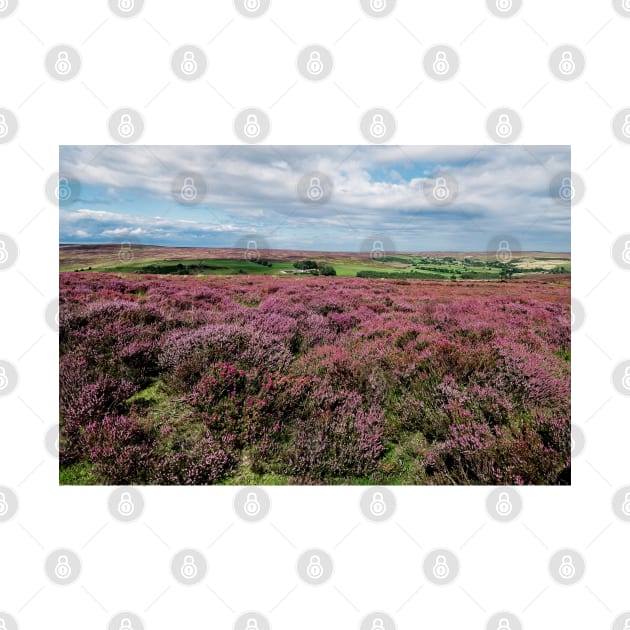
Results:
430 266
438 268
400 266
154 394
207 266
80 474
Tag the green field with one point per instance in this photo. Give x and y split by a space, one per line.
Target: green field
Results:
207 266
399 266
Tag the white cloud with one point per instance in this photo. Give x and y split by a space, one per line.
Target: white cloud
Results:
499 187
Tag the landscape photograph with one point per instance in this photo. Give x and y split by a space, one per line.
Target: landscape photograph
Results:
315 315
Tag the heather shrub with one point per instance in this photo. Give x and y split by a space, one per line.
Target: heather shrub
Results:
121 449
242 406
478 454
188 460
85 397
334 435
317 380
187 354
139 359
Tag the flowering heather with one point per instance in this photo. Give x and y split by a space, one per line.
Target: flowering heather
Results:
199 380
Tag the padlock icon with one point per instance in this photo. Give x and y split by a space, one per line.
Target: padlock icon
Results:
504 624
378 251
252 251
625 506
125 505
504 5
440 190
567 63
378 128
567 190
504 126
189 569
567 568
62 191
377 504
440 568
4 381
315 192
440 64
314 64
189 64
626 624
126 5
625 128
572 317
125 126
252 504
4 506
504 505
3 625
4 4
4 254
378 5
626 378
189 190
125 252
63 65
252 5
252 126
626 7
378 624
4 128
625 255
504 253
314 570
125 624
252 624
62 569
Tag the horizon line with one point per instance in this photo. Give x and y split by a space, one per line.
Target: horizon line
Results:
302 249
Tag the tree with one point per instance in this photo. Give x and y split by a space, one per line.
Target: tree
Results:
305 264
327 270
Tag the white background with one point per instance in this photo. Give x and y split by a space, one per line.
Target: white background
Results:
251 62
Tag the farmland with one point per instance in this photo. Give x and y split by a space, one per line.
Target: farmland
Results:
226 371
141 259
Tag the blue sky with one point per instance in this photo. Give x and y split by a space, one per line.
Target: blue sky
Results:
132 194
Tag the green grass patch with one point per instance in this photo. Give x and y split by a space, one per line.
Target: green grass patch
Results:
80 474
208 266
154 394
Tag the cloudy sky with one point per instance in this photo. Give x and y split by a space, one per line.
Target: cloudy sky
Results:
317 198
